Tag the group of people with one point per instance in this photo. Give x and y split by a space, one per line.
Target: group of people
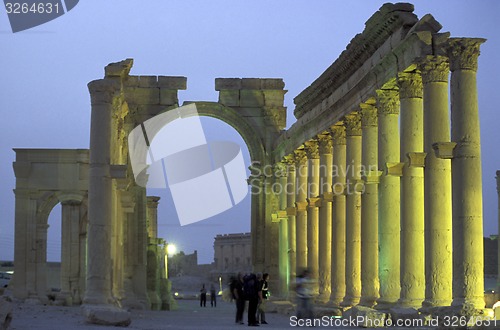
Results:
253 288
203 296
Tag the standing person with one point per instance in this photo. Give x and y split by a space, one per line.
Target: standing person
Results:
261 308
213 302
237 291
253 293
304 295
203 296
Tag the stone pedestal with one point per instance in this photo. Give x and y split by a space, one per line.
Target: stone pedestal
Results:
468 265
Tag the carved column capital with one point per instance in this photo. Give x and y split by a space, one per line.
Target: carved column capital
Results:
387 102
353 124
368 115
434 69
153 201
312 149
280 169
410 85
463 53
300 157
102 91
289 160
325 144
338 133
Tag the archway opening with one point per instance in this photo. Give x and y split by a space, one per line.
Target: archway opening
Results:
54 237
199 236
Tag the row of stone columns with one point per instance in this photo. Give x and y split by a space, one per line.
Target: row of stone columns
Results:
373 214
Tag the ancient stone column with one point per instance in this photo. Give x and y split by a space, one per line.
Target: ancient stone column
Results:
313 212
468 268
325 217
437 183
98 298
388 215
412 190
338 213
369 211
301 208
281 178
353 209
153 276
290 202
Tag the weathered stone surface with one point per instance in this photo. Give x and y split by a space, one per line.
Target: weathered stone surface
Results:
251 98
168 96
231 98
5 312
274 97
140 95
366 317
227 83
250 83
404 314
267 83
106 315
171 82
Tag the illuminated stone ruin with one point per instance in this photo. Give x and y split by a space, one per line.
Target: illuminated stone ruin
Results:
341 192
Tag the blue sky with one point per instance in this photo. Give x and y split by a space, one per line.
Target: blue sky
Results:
45 102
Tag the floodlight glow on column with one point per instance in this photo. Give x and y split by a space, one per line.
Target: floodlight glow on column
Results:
171 249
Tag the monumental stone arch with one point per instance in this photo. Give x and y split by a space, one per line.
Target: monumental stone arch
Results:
383 202
44 178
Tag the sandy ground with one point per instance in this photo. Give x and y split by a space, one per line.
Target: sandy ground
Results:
189 315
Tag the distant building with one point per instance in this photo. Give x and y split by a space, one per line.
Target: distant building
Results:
183 264
233 253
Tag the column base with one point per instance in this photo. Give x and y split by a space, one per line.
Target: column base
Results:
436 303
323 298
350 301
106 315
154 298
410 303
370 302
366 317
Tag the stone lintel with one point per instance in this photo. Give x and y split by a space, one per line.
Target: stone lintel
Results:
172 82
301 206
416 159
314 202
371 177
394 169
249 84
444 150
291 211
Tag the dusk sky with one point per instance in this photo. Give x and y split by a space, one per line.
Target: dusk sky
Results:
45 102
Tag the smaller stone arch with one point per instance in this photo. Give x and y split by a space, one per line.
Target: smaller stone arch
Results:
45 178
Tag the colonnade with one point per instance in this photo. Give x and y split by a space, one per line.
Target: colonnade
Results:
370 213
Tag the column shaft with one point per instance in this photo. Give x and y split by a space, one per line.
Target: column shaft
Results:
98 288
325 218
283 231
369 212
437 183
338 214
353 210
313 213
412 191
290 202
389 198
301 205
468 269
